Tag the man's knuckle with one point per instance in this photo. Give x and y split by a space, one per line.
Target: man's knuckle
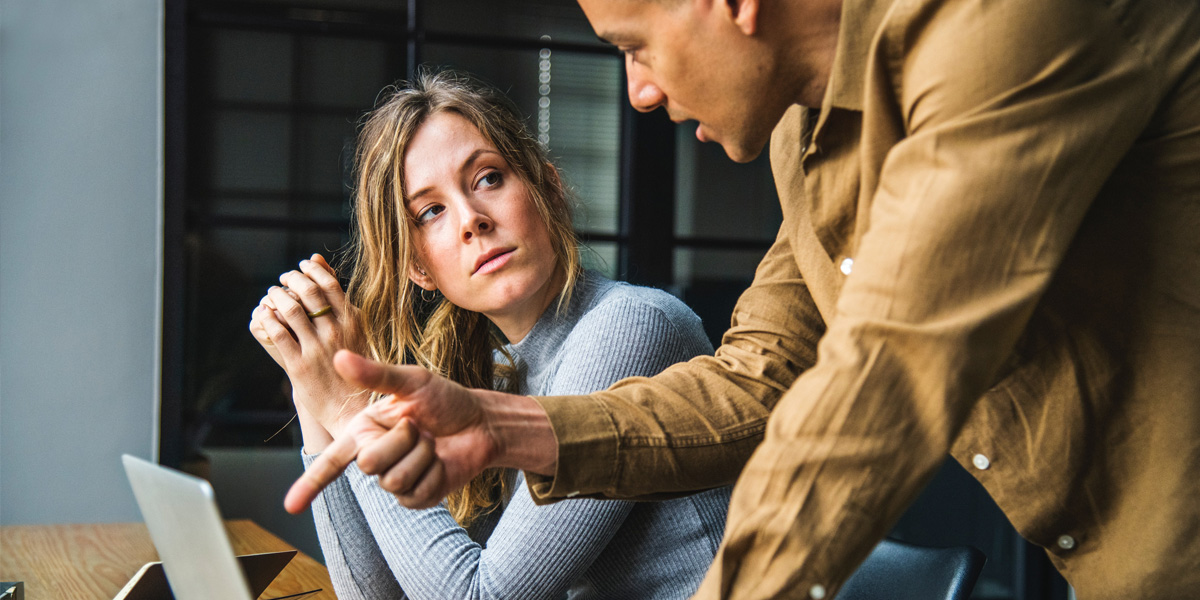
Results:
391 484
367 461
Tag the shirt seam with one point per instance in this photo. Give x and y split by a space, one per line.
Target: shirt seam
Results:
696 440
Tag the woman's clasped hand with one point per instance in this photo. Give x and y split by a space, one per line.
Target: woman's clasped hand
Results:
302 323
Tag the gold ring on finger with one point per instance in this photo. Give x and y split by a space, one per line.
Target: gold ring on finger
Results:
320 312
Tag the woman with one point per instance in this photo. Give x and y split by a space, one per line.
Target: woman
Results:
457 198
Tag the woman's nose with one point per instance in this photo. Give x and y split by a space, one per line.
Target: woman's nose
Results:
475 223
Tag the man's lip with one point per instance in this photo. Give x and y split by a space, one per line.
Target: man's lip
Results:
700 133
489 255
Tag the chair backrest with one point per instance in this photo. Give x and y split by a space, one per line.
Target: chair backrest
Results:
899 571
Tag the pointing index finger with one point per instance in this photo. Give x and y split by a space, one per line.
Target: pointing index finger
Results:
398 380
322 472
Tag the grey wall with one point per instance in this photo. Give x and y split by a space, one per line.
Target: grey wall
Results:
80 254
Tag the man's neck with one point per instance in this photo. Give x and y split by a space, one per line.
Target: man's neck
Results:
809 51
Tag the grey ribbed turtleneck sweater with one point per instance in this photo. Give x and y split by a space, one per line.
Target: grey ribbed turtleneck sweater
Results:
375 548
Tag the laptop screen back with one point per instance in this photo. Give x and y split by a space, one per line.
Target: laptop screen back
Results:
182 516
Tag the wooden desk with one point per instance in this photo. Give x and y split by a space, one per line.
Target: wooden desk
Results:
86 562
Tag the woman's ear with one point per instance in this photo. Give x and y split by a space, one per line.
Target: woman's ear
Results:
419 276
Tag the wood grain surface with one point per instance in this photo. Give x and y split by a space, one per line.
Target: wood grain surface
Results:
85 562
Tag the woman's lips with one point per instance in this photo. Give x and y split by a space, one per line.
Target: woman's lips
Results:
494 263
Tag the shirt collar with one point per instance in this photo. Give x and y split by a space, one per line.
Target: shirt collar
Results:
860 21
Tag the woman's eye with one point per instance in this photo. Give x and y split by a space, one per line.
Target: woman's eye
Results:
429 213
492 179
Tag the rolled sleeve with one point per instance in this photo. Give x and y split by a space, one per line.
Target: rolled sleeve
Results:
588 443
694 425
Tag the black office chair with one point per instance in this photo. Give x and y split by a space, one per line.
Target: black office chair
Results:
899 571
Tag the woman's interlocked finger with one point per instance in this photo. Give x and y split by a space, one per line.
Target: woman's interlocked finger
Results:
310 295
276 332
294 315
322 276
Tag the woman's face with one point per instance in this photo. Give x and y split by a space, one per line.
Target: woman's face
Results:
478 236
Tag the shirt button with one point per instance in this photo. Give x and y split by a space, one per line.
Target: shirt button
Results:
816 592
847 266
981 462
573 494
1066 542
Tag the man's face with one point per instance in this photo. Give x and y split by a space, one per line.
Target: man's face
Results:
691 59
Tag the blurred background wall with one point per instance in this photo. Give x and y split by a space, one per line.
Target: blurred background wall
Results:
80 252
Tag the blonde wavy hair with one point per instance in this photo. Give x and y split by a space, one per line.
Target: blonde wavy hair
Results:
400 328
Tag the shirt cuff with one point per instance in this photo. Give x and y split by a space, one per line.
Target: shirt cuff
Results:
588 444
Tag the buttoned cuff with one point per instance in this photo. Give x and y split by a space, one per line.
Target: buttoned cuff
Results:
588 444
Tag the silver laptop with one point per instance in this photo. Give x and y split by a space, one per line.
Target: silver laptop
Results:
181 513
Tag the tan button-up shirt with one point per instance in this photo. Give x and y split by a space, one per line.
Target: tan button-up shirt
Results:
990 246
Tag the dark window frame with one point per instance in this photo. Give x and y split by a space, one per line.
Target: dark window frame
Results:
645 238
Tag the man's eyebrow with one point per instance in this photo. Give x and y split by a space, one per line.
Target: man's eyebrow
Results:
615 39
470 159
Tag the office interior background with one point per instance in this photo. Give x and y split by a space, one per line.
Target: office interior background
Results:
161 163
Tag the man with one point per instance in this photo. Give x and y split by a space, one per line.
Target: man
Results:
989 248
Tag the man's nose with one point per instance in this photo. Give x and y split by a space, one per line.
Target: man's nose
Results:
644 95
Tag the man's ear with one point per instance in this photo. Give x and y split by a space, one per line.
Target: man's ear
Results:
419 276
743 14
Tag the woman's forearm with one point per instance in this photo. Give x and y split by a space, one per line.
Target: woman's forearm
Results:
315 436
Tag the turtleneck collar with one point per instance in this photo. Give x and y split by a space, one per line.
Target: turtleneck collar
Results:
536 352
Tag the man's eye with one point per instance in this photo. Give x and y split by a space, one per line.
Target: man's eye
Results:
429 213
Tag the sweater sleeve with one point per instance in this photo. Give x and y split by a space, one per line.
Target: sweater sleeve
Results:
356 565
534 551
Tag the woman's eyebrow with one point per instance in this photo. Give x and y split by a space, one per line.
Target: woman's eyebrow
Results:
476 154
417 194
